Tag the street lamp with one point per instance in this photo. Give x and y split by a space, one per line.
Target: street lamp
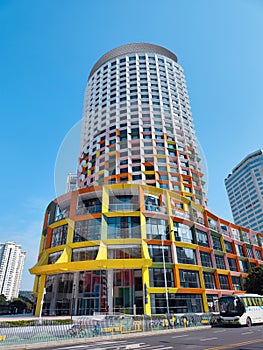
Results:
41 305
72 313
165 277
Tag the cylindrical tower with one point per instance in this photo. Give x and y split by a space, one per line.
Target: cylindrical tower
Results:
137 125
136 236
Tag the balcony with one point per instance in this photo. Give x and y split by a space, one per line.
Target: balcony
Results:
124 207
213 226
62 216
181 214
155 208
200 220
224 230
89 210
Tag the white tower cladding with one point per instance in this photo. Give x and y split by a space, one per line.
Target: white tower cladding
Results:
137 124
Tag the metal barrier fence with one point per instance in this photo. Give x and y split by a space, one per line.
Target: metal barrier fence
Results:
45 330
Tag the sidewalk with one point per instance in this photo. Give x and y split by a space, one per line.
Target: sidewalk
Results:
78 341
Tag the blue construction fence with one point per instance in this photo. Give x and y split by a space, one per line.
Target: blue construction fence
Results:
43 330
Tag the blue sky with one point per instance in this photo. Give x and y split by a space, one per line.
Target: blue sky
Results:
47 49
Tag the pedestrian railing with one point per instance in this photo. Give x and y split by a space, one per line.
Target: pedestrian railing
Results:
44 330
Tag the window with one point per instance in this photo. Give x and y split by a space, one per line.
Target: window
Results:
243 266
223 279
157 277
59 235
220 262
136 177
189 279
258 254
86 253
156 253
232 264
236 283
152 203
88 206
124 252
239 250
183 232
87 230
209 280
205 259
123 203
156 228
123 227
53 257
202 238
228 246
150 177
216 243
250 252
185 255
136 168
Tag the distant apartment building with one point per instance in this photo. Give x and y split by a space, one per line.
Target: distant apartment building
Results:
71 182
245 191
11 266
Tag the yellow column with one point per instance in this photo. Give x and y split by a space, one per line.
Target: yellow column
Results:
42 247
145 283
70 233
105 206
206 308
143 226
35 287
41 287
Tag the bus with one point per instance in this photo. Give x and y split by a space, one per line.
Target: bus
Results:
241 309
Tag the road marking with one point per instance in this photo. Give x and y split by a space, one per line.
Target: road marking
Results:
71 347
220 331
181 336
156 347
231 346
247 333
207 339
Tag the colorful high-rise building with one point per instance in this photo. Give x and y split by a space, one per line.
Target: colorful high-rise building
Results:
11 267
136 235
245 191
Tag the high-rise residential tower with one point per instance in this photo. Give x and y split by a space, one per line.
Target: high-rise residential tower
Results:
136 234
245 191
11 267
137 124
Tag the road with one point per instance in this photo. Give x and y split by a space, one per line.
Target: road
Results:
202 339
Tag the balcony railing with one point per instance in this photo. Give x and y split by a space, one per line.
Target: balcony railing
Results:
213 227
124 207
62 216
89 210
225 231
200 221
181 214
152 207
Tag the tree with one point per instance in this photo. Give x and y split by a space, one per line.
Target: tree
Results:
19 304
3 300
254 282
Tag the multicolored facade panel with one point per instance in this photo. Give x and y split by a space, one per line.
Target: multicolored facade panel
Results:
127 246
135 236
